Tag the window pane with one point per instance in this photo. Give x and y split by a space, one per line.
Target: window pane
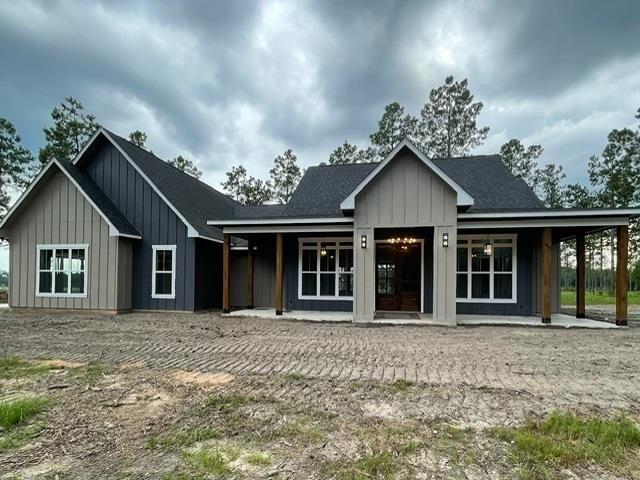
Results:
479 261
346 244
328 261
62 281
309 260
62 261
327 284
502 284
346 260
463 256
502 259
462 281
163 260
479 286
345 285
77 283
45 282
163 284
309 284
45 259
77 260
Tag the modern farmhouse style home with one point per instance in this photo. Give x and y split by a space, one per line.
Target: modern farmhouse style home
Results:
409 237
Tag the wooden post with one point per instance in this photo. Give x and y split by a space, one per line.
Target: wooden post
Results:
226 306
546 275
250 276
580 276
279 272
622 274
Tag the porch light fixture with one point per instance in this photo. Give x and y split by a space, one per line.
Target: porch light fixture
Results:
363 241
323 252
488 249
445 240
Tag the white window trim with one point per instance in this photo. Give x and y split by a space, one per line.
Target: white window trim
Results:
164 296
514 273
336 273
62 246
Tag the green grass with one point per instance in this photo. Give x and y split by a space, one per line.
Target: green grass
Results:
568 297
227 403
12 367
540 449
18 412
182 439
377 465
91 374
210 462
258 459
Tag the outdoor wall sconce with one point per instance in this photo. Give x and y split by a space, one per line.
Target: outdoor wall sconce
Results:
488 249
445 240
363 241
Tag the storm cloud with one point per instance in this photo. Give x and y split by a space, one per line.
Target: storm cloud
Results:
238 82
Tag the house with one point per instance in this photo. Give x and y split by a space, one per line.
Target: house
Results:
119 229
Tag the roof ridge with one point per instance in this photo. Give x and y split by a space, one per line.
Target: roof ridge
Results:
350 164
467 157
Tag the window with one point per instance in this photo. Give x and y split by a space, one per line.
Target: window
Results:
163 280
62 271
486 278
326 268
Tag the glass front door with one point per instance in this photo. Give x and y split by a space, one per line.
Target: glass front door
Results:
398 268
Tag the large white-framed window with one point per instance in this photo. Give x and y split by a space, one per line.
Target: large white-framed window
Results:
62 270
325 269
482 278
163 275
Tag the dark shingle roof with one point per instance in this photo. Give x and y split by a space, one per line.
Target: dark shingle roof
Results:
97 196
195 200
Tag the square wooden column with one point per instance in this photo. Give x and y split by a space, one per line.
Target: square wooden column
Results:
250 276
279 272
226 301
622 274
580 276
546 275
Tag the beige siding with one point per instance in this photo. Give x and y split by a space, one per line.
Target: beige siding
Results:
406 194
59 214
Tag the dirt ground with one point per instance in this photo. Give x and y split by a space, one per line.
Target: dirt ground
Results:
152 395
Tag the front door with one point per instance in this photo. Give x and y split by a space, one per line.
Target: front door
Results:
398 269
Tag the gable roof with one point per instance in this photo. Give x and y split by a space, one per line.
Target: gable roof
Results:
119 226
463 197
190 199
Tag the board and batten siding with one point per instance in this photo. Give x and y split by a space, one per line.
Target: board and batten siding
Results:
59 214
406 194
156 222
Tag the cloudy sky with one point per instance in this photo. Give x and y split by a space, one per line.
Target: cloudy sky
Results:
237 82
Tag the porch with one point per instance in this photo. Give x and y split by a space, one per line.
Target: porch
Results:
558 320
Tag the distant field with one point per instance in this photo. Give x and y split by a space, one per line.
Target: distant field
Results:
569 298
4 295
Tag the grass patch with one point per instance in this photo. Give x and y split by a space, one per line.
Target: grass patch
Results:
92 373
15 438
568 297
378 465
300 429
12 367
258 459
210 462
182 439
539 449
227 403
401 386
18 412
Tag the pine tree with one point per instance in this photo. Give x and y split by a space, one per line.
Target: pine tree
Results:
348 153
16 163
185 165
246 189
393 127
284 176
70 131
519 160
548 185
138 138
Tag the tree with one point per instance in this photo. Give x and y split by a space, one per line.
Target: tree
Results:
578 196
185 165
138 138
16 163
284 176
70 131
519 160
548 185
4 278
393 127
246 189
349 153
448 124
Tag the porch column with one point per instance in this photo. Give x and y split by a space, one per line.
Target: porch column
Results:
226 306
250 276
622 274
279 272
546 275
580 276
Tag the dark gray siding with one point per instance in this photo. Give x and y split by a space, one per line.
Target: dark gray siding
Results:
238 281
526 246
291 282
155 221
